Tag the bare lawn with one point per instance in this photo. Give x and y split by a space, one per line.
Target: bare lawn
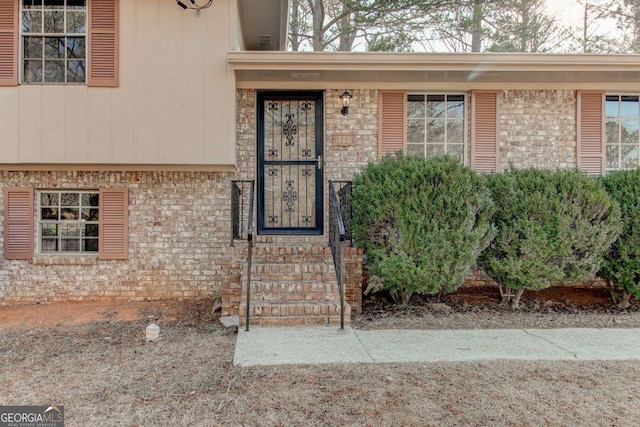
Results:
105 374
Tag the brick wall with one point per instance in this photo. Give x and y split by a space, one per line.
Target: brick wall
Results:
179 233
538 128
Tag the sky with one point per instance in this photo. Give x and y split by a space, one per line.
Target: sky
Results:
571 12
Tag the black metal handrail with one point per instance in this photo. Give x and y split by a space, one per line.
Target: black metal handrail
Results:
242 197
250 253
337 235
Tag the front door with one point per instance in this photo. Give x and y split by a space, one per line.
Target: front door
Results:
290 162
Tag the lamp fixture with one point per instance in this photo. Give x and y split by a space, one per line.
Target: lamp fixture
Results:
194 6
346 99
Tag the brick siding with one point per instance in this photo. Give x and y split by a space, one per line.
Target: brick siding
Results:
179 222
538 128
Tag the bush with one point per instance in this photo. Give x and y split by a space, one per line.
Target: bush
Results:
621 266
423 223
552 226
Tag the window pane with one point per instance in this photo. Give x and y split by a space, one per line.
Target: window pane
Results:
76 4
70 199
612 157
629 107
90 214
32 71
70 230
415 130
70 245
76 71
91 230
415 109
456 151
75 47
629 131
49 199
54 71
49 213
49 230
76 22
415 149
31 4
455 131
90 199
629 156
54 47
49 245
90 245
613 133
53 21
69 214
435 106
54 4
435 150
455 106
611 106
32 21
32 47
435 132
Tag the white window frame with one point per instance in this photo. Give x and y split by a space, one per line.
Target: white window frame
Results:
43 35
60 222
465 120
619 119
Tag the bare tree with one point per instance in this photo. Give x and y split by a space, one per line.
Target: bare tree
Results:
338 24
627 15
524 26
461 27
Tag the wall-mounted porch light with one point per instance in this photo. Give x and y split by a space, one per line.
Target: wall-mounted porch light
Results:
346 99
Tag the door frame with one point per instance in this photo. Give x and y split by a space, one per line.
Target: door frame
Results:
318 97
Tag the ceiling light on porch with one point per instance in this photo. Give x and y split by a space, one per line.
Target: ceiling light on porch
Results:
346 98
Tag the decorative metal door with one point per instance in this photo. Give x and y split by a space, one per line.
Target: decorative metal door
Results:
290 163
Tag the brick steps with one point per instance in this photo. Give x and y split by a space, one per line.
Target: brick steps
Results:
292 286
294 292
291 313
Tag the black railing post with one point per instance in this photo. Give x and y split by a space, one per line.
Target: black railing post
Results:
337 235
250 254
243 193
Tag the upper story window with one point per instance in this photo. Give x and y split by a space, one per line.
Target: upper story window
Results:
436 125
622 143
68 221
53 36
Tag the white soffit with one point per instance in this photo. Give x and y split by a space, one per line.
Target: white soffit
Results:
264 24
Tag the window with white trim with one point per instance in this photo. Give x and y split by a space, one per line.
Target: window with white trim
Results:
436 125
622 144
68 221
53 41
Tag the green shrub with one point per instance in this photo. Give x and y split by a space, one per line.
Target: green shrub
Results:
422 222
552 226
621 266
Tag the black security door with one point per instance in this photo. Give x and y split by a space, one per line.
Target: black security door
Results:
290 162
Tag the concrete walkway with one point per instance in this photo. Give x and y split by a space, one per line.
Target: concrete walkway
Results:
321 344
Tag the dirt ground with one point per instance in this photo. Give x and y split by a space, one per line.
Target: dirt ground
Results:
93 359
479 308
468 308
78 313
